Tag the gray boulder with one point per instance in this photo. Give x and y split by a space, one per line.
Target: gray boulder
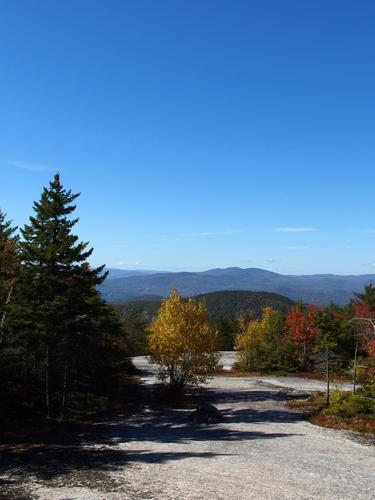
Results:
206 413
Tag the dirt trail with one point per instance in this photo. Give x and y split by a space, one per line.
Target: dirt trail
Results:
260 451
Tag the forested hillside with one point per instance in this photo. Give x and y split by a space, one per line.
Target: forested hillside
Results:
242 303
225 310
224 304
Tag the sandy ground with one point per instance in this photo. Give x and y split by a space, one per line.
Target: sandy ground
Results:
260 451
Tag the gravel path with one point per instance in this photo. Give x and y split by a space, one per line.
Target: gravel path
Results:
228 358
260 451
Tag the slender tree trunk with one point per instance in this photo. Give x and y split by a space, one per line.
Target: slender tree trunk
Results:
355 367
303 356
47 389
4 315
65 384
172 375
328 377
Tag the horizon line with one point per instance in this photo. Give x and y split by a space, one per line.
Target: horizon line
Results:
109 267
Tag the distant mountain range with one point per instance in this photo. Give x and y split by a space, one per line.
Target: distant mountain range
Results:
126 273
319 288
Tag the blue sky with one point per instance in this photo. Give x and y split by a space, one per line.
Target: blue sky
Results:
201 133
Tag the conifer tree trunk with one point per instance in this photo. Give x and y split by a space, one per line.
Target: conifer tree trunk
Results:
47 388
4 315
64 392
304 355
355 366
328 378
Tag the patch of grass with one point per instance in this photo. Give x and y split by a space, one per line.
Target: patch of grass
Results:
340 415
365 425
232 373
309 406
237 371
335 378
297 404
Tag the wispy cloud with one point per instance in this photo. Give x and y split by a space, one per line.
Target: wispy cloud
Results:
246 261
364 231
32 167
298 247
295 229
211 233
272 261
126 263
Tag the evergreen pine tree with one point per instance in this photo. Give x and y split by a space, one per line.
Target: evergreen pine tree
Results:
6 229
60 313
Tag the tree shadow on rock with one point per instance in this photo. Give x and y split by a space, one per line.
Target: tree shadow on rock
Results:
173 426
241 396
252 416
48 462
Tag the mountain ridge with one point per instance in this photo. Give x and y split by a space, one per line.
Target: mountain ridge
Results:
319 288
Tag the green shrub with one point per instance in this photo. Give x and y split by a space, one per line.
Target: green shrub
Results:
368 389
346 404
86 403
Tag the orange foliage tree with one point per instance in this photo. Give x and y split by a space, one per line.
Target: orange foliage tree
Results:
302 329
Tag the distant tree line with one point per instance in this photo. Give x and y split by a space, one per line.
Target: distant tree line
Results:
61 345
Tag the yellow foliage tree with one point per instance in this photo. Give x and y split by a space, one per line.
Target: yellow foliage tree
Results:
181 342
258 343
